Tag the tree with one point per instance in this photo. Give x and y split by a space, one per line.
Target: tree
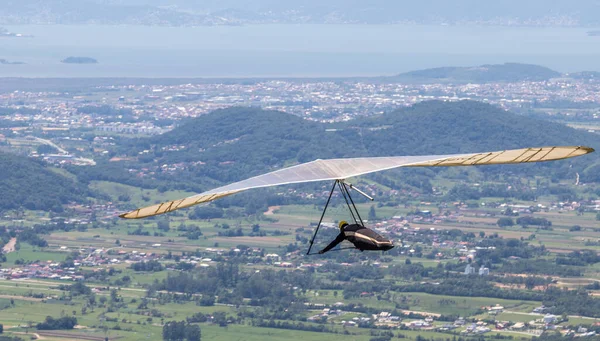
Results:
530 282
163 225
192 332
178 331
173 330
114 296
46 149
65 322
79 289
372 213
206 212
529 220
505 222
207 300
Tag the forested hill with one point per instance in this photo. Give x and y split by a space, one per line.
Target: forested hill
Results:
237 143
228 145
438 127
508 72
465 126
26 183
250 136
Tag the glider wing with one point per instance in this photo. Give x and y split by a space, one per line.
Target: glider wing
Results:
334 169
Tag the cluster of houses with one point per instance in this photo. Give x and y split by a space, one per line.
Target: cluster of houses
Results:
327 313
426 322
92 258
479 327
40 270
383 318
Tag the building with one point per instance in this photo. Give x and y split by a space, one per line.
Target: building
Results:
549 319
469 270
518 326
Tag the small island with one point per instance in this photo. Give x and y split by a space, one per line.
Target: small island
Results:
8 62
489 73
79 60
6 33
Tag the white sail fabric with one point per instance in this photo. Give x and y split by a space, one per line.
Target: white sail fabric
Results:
339 169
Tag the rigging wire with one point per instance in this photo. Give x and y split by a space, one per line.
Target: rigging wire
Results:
353 205
312 240
349 203
345 195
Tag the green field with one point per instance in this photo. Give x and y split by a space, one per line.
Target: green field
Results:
30 253
287 219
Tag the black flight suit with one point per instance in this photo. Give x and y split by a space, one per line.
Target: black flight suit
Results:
362 238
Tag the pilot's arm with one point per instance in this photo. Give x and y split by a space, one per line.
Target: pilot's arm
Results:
340 238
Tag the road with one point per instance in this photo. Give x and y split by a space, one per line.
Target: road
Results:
52 144
542 315
65 152
10 246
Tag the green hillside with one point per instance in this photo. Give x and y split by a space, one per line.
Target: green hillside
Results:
508 72
237 143
463 127
454 127
254 135
29 184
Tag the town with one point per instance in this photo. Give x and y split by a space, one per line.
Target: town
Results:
142 110
492 254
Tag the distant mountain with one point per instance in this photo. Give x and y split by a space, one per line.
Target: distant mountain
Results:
227 12
93 12
233 144
8 62
508 72
79 60
31 185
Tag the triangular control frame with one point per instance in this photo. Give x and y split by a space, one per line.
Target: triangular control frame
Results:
344 190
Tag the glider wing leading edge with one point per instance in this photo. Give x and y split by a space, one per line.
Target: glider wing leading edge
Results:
340 169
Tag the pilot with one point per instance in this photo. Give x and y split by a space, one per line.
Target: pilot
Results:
362 238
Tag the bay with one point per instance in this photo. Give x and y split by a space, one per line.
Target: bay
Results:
288 50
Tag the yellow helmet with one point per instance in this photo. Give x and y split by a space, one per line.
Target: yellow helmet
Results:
342 224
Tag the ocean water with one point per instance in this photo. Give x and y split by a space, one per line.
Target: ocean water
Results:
288 50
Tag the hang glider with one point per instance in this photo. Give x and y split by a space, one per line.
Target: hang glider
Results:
341 169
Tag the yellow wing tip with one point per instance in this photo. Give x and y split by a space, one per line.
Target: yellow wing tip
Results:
588 149
126 215
135 214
